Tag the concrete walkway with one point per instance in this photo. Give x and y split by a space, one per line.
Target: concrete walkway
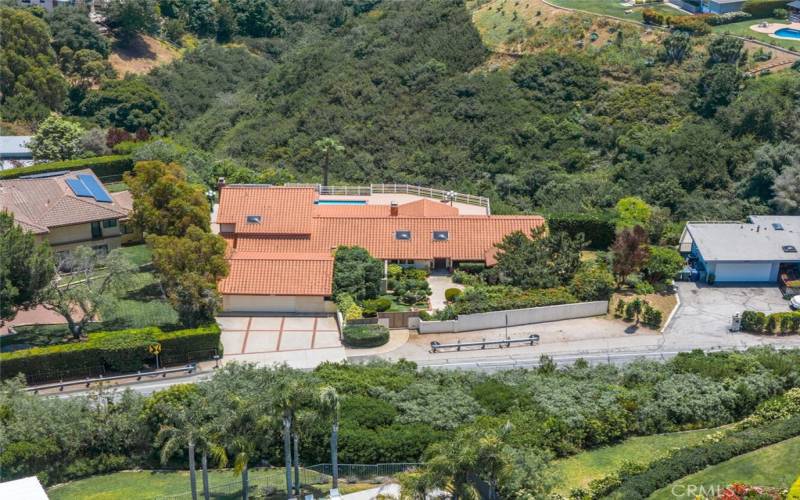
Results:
391 490
440 283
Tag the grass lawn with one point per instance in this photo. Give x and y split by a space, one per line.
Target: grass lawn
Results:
396 306
578 470
776 465
742 28
148 484
615 8
116 187
138 254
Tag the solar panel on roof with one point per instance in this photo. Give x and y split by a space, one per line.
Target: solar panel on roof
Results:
78 187
95 188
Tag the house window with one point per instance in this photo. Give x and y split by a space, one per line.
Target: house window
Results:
110 223
440 236
254 219
96 231
402 235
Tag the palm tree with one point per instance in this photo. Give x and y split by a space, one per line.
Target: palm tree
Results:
329 402
208 443
329 147
290 393
181 431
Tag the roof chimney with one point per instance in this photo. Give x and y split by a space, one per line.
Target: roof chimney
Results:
393 209
221 183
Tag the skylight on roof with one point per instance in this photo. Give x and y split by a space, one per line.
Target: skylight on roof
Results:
777 226
440 236
254 219
789 249
402 235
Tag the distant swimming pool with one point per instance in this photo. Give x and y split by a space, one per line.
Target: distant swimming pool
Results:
341 202
788 33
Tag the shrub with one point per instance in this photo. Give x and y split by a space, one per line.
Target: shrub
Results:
779 13
651 316
498 298
728 17
634 308
471 267
348 307
414 273
121 350
394 270
373 306
412 291
644 288
763 8
786 323
104 167
695 25
595 283
694 458
463 278
451 294
619 309
365 335
597 227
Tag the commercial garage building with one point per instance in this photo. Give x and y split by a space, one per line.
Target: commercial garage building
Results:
760 250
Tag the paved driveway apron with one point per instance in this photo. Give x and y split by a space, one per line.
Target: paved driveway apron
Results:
707 310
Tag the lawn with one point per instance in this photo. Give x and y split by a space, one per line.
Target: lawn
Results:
138 254
578 470
615 8
396 306
776 465
115 187
149 485
742 28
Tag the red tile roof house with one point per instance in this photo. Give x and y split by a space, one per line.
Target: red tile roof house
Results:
67 209
282 240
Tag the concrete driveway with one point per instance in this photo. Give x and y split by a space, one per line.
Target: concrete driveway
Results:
299 341
439 283
707 310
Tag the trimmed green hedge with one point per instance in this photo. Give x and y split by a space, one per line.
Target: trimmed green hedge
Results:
763 8
104 167
116 351
681 463
365 335
598 228
781 323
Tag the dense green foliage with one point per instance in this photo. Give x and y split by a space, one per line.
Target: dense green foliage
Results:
392 412
783 323
356 273
365 335
26 266
105 167
119 351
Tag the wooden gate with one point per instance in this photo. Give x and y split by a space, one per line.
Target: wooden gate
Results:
398 319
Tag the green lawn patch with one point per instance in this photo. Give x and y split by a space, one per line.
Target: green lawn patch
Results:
396 306
742 28
578 470
149 484
138 254
776 465
614 8
115 187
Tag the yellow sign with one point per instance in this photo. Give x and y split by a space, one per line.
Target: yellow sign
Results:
154 349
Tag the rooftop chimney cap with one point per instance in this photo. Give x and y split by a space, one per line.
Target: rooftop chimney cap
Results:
221 182
394 211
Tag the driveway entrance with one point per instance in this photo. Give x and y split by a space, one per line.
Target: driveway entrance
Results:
295 340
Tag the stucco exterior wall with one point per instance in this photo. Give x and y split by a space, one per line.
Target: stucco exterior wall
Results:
515 317
277 304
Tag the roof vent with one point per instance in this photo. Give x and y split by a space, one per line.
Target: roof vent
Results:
777 226
789 249
254 219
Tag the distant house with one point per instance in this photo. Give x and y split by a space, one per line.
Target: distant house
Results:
49 5
721 6
14 151
281 240
68 209
757 251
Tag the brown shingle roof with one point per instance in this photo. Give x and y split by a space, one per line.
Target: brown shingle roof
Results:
42 203
256 273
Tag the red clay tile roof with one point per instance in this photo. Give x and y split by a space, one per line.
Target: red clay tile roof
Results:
257 273
300 228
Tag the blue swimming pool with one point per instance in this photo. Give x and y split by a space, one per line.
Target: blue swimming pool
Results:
341 202
788 33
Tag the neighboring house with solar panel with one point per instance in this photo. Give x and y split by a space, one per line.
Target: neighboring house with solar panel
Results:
68 209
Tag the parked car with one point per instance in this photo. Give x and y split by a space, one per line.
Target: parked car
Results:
795 302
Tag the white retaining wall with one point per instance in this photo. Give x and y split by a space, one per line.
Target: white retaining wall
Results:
516 317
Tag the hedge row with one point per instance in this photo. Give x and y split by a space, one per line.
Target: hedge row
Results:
763 8
481 299
681 463
116 351
104 167
365 335
598 228
785 323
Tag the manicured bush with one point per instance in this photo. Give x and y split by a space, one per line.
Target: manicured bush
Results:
394 270
692 459
463 278
619 309
104 167
753 321
595 283
373 306
121 350
414 273
451 294
471 267
597 227
695 25
728 17
365 335
785 323
651 316
498 298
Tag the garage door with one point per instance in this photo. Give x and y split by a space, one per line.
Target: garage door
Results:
276 304
744 272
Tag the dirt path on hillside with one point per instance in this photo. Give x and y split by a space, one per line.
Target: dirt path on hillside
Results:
141 56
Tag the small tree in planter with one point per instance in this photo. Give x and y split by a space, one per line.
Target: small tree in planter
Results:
619 309
633 309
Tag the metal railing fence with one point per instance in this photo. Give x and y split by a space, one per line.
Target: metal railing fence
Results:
425 192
